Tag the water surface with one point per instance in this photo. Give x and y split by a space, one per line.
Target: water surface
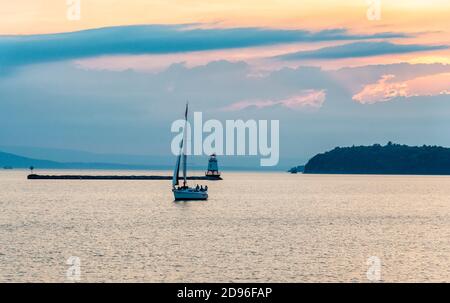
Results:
256 227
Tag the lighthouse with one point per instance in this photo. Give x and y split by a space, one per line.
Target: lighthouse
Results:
213 168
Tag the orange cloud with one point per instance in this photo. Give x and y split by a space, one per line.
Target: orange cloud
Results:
44 16
387 88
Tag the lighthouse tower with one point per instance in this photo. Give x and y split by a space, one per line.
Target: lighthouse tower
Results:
213 168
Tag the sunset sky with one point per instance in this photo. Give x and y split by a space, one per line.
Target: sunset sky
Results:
334 72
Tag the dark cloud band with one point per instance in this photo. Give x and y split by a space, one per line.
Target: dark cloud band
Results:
359 49
155 39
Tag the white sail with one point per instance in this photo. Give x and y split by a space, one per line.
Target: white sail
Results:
176 171
184 170
182 152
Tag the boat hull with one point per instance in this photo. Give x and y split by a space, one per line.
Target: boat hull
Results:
189 194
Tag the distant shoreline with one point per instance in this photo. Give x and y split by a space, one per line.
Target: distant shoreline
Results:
113 177
169 169
10 161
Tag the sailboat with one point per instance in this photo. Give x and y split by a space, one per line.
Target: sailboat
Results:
185 192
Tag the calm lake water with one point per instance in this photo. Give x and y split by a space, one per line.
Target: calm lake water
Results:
261 227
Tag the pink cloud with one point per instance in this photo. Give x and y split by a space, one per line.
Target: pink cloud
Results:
387 88
311 99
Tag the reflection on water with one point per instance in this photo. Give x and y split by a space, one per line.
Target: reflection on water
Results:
272 227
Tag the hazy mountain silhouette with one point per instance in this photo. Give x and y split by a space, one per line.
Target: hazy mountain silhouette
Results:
24 157
167 161
15 161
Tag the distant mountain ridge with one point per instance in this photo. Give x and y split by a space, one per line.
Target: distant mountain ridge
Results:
8 160
78 159
377 159
94 161
79 156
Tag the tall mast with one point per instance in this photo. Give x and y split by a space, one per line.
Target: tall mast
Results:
184 146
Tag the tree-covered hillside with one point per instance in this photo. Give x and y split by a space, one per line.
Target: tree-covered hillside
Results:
377 159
